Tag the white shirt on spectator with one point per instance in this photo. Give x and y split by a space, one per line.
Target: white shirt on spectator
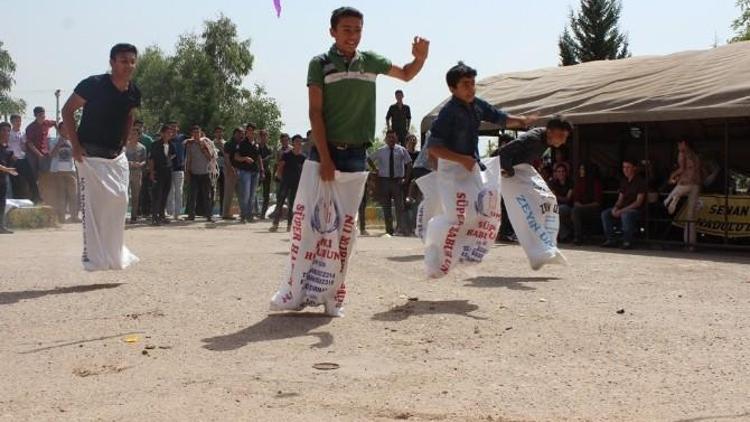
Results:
62 160
381 158
17 144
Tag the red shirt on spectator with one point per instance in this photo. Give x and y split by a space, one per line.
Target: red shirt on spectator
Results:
586 193
38 134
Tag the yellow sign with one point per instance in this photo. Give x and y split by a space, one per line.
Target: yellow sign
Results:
718 215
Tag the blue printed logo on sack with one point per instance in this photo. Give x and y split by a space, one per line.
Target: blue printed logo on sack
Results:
326 217
488 203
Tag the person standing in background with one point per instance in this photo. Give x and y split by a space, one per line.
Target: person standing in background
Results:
137 156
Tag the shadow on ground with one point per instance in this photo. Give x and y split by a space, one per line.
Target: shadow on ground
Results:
275 327
406 258
512 283
7 298
412 308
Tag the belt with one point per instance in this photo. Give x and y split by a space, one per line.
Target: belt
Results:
344 147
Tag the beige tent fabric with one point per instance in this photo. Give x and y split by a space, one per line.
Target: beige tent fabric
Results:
702 84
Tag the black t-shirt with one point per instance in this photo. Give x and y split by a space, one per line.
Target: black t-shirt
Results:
248 149
6 160
399 117
561 189
266 152
292 167
105 113
631 189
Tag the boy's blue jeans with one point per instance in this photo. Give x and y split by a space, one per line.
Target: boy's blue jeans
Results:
248 183
348 160
629 221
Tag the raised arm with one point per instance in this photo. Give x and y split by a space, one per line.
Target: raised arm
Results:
420 48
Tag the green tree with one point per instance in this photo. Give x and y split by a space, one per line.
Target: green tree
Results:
593 34
202 82
742 23
8 105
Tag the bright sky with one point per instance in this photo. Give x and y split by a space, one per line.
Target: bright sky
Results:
56 43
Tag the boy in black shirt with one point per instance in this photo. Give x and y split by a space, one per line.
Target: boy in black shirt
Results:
289 171
250 166
160 172
109 102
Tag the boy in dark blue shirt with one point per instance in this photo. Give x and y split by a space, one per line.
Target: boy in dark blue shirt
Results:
455 131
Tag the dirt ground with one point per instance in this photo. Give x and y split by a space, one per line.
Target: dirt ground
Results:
185 334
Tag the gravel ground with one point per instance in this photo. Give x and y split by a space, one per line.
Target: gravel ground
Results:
185 334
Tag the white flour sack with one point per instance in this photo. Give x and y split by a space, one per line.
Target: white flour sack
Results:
104 194
533 211
466 226
324 230
430 205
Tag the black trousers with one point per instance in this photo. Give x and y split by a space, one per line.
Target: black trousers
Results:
392 195
159 193
3 192
199 196
266 184
363 211
287 193
145 200
24 185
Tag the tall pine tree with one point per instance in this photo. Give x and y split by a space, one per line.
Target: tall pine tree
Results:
593 34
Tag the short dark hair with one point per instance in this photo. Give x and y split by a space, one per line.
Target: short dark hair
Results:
194 128
237 129
219 127
38 109
284 135
14 116
4 124
389 131
251 125
559 122
344 12
297 136
632 160
172 122
460 70
398 91
165 127
122 48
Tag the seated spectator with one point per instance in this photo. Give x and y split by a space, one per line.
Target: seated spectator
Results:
587 199
628 208
7 163
562 187
62 178
687 180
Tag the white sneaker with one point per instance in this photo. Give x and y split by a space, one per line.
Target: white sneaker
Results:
333 311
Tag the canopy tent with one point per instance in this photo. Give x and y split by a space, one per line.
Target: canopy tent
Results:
702 84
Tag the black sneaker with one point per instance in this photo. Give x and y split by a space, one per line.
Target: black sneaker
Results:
155 222
609 244
627 245
165 221
578 241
